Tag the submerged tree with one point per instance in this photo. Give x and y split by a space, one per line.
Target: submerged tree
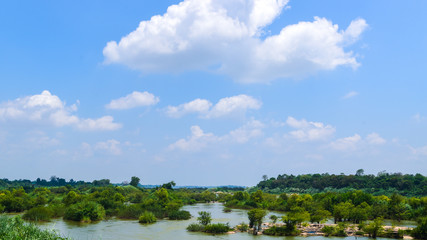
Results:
255 219
204 218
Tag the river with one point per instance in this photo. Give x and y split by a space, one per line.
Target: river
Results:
164 229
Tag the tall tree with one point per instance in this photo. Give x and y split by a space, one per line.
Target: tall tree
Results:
134 181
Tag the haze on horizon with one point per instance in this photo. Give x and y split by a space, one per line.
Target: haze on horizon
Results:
206 92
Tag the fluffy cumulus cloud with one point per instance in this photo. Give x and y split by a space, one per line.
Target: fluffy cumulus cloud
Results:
198 105
250 130
226 36
309 131
111 146
347 143
46 107
224 107
133 100
375 139
199 140
356 141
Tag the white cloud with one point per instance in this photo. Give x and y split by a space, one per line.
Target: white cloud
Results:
103 123
195 142
350 95
418 118
40 139
235 104
199 139
250 130
201 34
348 143
111 146
356 142
196 106
133 100
46 107
225 107
375 139
419 151
309 131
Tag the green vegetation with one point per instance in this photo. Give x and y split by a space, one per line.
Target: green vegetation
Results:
15 229
353 206
337 231
179 215
38 214
205 225
134 181
204 218
227 210
217 228
89 202
242 227
85 212
381 184
420 232
147 217
375 228
256 217
195 227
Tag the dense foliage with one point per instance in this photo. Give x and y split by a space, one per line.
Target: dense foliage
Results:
353 206
147 217
15 229
206 226
382 184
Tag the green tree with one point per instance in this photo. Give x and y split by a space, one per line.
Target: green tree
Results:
297 215
342 211
374 228
319 216
273 218
163 196
204 218
71 198
257 196
134 181
255 219
420 232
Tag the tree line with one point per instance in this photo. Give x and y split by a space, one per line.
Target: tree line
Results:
382 184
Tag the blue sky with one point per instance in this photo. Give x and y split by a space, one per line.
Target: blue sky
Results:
211 92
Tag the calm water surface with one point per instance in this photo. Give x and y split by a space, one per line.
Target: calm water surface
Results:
164 229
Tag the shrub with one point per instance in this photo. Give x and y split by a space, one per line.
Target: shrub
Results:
195 227
147 217
338 231
280 231
204 218
58 210
328 230
226 210
15 229
85 212
38 214
242 227
420 232
216 228
132 211
179 215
